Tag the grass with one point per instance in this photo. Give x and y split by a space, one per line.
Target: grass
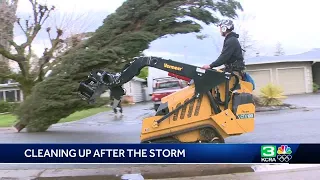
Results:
83 114
8 120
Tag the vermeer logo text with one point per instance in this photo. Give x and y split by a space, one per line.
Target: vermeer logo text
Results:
172 67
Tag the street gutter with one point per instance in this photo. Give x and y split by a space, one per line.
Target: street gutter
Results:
275 108
146 171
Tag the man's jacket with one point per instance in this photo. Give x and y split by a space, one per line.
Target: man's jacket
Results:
117 92
231 55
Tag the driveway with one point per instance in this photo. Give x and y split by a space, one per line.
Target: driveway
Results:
290 126
304 100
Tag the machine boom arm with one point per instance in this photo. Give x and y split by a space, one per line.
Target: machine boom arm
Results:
99 80
133 69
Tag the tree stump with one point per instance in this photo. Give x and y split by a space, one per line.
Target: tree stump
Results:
19 126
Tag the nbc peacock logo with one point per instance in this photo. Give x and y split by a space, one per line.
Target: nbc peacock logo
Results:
284 153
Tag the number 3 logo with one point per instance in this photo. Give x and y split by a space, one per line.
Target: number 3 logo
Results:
268 151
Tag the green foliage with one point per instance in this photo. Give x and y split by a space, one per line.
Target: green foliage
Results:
143 73
10 107
124 34
316 87
271 95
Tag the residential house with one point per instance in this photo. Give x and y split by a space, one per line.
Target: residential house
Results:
10 92
294 73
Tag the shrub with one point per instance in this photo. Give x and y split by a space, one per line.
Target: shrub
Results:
271 95
316 87
4 107
8 106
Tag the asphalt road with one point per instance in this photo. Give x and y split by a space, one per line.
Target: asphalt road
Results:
290 126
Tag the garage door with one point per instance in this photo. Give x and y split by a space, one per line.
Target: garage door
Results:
292 80
261 79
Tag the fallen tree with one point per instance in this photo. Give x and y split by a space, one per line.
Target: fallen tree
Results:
124 34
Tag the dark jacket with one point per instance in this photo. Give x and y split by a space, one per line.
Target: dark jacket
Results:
231 55
117 92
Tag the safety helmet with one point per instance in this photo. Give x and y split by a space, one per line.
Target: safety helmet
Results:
226 25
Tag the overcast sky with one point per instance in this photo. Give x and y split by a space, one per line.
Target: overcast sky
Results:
292 23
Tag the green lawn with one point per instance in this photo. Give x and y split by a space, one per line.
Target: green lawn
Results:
8 120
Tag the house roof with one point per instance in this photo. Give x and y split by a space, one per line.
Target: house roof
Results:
310 56
10 85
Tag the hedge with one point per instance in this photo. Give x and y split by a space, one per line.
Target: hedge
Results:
10 107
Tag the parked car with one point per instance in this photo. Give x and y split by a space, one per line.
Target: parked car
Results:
165 86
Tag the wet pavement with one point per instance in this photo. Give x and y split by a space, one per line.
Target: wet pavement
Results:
287 126
311 100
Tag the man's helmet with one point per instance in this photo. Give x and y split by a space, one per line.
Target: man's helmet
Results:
226 25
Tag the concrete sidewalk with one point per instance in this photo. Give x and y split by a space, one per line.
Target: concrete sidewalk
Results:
115 173
171 172
312 173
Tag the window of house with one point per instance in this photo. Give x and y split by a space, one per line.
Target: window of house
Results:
10 96
1 96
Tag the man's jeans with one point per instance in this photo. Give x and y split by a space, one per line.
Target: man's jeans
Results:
116 103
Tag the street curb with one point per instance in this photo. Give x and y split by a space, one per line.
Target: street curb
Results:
276 108
146 171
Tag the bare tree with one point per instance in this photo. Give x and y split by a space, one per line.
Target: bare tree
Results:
64 30
72 22
279 50
245 39
7 16
23 52
75 28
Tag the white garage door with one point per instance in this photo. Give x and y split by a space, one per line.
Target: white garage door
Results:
261 79
292 80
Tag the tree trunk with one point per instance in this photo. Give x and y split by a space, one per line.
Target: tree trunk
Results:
19 126
26 91
26 87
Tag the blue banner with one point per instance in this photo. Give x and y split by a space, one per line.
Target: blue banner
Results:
159 153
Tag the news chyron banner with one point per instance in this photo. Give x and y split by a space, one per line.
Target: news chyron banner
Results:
159 153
